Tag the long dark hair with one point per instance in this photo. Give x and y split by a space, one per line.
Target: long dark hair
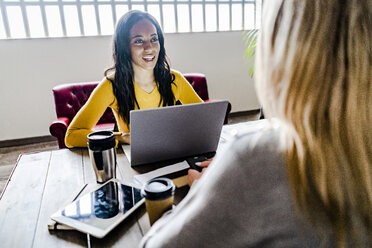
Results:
123 81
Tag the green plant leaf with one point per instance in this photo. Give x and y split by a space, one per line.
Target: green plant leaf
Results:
251 46
250 40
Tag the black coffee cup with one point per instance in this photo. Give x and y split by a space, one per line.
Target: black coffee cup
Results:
159 195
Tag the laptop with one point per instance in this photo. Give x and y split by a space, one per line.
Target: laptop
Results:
175 132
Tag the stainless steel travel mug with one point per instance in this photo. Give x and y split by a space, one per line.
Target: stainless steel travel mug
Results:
102 154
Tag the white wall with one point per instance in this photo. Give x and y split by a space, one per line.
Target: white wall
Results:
29 69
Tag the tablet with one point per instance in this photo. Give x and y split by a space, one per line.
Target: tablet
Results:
99 211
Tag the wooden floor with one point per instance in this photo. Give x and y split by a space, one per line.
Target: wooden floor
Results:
9 155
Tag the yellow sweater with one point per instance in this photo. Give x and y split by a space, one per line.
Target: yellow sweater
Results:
103 97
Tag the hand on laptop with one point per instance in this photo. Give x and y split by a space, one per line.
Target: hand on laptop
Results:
123 138
194 174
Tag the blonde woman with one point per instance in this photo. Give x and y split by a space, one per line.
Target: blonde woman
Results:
305 180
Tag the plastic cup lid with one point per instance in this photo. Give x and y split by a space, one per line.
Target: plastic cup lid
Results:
101 140
158 188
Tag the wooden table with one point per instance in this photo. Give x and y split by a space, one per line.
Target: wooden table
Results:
41 183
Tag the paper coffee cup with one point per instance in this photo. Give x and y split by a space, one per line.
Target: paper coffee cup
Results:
159 195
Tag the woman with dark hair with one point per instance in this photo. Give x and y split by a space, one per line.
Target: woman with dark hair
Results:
139 79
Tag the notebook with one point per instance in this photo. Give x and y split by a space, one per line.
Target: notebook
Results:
175 132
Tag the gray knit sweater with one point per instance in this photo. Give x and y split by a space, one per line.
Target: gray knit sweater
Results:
243 200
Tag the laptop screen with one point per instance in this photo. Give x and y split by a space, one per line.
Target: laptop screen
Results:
175 132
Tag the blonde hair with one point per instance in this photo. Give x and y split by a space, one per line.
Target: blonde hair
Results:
313 72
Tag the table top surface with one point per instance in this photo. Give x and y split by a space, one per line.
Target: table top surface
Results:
41 183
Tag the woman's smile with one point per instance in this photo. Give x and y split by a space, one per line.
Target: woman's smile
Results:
148 58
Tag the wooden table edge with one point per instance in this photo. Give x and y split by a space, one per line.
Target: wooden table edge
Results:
10 176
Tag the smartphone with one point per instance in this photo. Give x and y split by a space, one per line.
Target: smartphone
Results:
192 160
101 210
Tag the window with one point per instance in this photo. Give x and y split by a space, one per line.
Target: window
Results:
66 18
